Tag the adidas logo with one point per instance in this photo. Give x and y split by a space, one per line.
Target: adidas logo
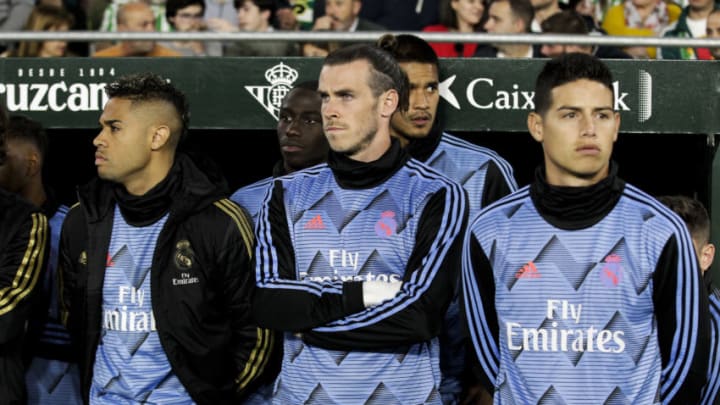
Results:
315 223
528 271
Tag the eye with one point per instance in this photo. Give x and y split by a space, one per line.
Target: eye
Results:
114 128
285 118
431 88
570 115
311 121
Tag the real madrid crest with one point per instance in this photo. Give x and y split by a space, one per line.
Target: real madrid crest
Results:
184 255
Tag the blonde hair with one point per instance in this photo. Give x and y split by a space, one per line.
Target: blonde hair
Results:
43 18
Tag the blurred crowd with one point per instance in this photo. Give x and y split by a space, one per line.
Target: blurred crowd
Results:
652 18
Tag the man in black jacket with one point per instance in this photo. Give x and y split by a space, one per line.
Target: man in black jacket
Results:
155 264
23 254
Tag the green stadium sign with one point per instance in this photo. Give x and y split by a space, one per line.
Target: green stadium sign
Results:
477 94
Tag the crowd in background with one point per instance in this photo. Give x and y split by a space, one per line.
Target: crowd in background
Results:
652 18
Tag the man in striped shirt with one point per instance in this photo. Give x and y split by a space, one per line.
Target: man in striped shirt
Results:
580 288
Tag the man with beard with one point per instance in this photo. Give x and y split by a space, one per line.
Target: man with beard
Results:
357 258
483 173
155 264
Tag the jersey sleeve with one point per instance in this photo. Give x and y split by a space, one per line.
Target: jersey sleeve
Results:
252 346
682 313
480 318
499 182
20 268
280 300
416 313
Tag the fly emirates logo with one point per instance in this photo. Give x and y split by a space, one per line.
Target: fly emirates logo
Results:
553 339
129 315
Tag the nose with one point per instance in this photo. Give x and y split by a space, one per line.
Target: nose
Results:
588 126
98 140
329 109
293 128
420 100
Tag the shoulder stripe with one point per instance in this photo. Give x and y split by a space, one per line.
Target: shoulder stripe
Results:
30 268
503 165
241 221
711 390
258 358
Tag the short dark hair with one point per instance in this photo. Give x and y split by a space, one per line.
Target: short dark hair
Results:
149 87
408 48
311 85
172 7
691 211
565 69
26 129
565 22
384 75
261 4
521 9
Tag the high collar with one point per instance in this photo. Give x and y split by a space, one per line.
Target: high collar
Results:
422 148
146 209
573 208
351 173
200 184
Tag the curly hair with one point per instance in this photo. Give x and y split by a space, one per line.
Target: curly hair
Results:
149 87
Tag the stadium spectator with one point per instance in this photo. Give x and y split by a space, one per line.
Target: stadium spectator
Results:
570 22
341 16
44 18
136 17
401 15
542 10
642 18
457 16
254 16
109 21
509 17
712 28
188 16
691 24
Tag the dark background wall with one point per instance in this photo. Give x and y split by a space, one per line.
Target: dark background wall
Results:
658 164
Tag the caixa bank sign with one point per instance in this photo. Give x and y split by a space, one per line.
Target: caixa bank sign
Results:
485 93
48 89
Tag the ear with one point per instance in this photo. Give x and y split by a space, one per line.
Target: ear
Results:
160 137
33 166
389 103
707 255
356 5
535 126
265 15
617 125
